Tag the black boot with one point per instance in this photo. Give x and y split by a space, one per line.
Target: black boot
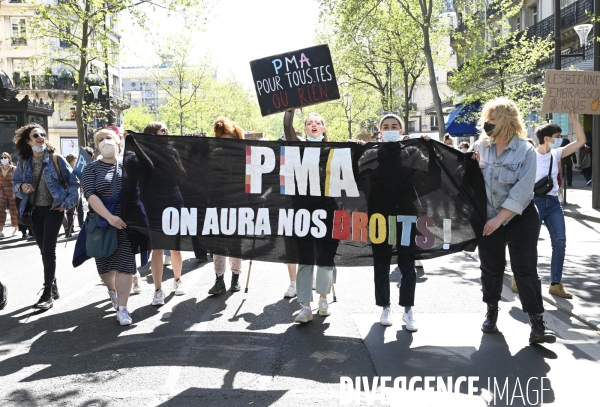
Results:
539 331
235 285
55 294
3 296
45 301
489 325
219 287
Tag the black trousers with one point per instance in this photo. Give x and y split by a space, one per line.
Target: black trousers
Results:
46 225
521 237
569 175
408 282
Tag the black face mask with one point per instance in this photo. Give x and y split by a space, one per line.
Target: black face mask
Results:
488 128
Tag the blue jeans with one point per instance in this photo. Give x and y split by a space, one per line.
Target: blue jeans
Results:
551 213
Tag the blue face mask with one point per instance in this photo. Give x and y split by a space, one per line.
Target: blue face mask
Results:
39 149
556 143
320 138
390 135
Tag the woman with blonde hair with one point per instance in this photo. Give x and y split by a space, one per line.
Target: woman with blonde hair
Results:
7 198
226 129
99 179
508 163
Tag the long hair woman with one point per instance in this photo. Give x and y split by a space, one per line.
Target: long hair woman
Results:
508 163
226 128
315 130
98 180
7 198
43 181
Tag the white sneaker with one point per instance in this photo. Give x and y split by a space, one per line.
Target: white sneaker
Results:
305 314
15 232
418 263
409 319
159 297
386 317
314 287
324 308
167 261
136 289
291 291
113 299
123 316
178 287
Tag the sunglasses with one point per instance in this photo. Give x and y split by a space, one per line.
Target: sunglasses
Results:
37 135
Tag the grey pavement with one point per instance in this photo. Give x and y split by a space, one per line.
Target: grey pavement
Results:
245 350
579 200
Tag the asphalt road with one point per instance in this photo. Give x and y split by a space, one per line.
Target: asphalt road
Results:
245 350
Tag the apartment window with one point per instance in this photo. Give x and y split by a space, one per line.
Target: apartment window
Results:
18 31
533 14
517 20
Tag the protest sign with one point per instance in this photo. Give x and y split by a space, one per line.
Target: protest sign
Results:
82 159
577 90
294 202
294 79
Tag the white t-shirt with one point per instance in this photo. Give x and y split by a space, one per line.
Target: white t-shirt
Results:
543 161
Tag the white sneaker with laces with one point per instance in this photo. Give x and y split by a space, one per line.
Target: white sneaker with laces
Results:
178 287
159 297
386 317
409 319
324 308
136 289
113 299
418 263
167 261
291 291
305 314
123 316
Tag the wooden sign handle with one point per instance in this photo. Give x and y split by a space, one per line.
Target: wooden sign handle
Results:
288 126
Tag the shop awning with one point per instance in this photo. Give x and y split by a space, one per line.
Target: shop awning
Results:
462 120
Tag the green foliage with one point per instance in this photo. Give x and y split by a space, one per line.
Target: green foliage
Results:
499 61
137 118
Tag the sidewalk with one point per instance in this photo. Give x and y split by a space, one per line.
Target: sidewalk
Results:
579 200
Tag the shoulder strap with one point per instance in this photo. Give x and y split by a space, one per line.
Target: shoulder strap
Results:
57 167
550 167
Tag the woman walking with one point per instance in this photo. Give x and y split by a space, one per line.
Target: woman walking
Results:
226 129
45 184
99 179
7 198
323 252
508 163
551 212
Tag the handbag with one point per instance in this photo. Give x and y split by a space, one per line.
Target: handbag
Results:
101 242
26 218
544 185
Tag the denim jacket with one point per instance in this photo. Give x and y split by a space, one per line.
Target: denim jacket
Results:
66 199
509 178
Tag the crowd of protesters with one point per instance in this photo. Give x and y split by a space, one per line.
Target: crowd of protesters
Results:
42 191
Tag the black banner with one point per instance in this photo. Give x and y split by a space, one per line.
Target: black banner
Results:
299 202
294 79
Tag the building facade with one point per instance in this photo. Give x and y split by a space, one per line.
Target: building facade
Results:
33 73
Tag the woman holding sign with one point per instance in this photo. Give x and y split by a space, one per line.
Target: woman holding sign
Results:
549 154
323 252
508 163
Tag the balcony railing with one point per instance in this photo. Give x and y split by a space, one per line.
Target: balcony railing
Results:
121 98
572 14
18 41
566 60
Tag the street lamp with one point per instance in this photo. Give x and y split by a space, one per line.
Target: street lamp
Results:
95 90
583 30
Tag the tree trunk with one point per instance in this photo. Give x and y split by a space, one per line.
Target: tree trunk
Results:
81 136
437 101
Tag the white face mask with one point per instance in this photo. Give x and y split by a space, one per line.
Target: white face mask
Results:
4 161
108 148
320 138
390 135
